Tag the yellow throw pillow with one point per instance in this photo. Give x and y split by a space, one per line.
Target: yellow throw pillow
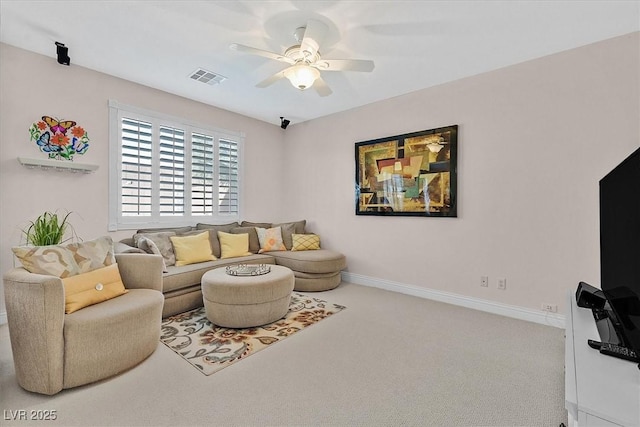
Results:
305 242
83 290
192 249
270 239
233 245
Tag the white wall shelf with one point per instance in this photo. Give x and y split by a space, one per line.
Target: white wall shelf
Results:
57 165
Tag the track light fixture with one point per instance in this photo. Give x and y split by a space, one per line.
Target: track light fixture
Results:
284 122
63 54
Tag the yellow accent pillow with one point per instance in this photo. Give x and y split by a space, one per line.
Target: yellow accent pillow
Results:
305 242
192 249
233 245
83 290
270 239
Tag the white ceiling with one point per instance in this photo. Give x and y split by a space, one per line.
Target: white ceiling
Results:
414 44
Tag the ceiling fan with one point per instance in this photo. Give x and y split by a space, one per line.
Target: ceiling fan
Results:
305 60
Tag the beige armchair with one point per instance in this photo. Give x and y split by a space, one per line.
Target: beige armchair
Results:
54 351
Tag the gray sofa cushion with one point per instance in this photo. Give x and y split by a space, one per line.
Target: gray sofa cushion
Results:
188 275
289 228
213 234
177 230
254 242
255 224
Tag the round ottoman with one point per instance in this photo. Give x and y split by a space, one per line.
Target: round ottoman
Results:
246 301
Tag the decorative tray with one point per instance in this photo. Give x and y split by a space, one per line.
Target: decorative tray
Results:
248 270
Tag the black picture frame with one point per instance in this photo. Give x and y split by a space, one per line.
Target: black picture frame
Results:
414 174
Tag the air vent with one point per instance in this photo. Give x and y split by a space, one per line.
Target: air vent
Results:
208 77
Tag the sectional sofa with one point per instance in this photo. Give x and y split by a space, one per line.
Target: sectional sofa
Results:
314 269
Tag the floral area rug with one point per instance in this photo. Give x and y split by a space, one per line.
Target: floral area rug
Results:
210 348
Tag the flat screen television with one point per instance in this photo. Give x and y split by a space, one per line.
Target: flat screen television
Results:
620 247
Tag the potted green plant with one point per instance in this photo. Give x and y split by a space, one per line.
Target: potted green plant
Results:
47 229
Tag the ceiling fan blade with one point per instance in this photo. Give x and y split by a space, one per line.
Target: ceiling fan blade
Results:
260 52
271 80
313 36
321 87
344 65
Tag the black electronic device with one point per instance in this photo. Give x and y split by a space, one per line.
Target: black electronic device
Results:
620 250
619 352
63 54
607 322
615 350
595 344
588 296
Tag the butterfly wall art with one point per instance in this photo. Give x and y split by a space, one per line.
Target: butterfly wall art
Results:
59 139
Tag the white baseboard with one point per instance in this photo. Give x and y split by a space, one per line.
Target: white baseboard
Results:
3 317
536 316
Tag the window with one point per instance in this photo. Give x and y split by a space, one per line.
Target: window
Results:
167 171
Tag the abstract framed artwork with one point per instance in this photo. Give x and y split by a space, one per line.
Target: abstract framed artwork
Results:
414 174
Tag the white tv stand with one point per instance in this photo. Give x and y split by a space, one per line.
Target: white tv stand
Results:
600 390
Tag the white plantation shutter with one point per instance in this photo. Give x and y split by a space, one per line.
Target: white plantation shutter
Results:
136 159
228 177
169 172
202 174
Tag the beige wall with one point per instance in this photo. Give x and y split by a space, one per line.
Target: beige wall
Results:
534 140
33 85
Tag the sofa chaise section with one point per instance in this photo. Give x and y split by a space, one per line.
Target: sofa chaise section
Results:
317 270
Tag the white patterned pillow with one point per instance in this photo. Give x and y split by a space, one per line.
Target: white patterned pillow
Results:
67 260
163 243
149 246
270 239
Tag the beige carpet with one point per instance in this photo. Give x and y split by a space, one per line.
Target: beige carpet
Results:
387 360
209 347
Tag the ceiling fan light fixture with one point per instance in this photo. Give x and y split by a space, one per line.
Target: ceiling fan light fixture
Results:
302 76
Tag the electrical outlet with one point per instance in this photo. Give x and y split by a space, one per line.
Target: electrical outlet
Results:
551 308
502 283
484 281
